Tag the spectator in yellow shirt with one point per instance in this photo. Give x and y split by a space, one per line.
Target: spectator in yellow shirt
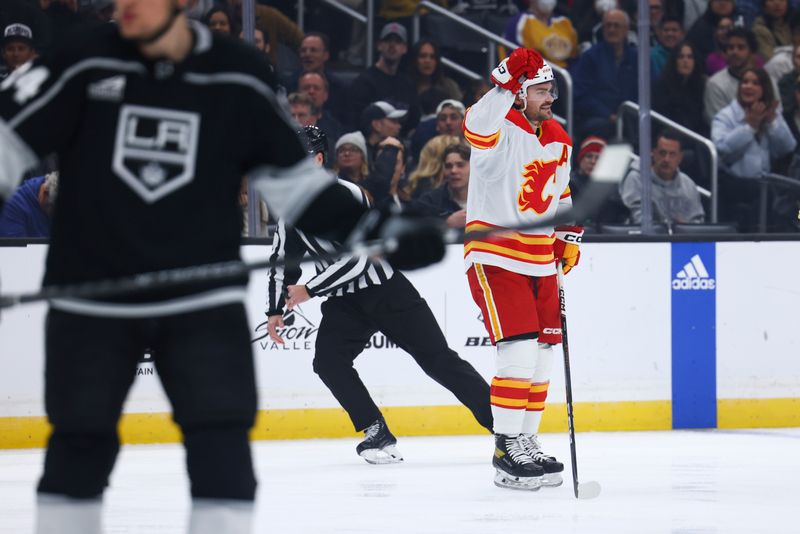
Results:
538 28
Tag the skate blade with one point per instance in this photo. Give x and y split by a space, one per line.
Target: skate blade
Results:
386 455
552 480
502 480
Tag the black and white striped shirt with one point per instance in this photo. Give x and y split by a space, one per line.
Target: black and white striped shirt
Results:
335 276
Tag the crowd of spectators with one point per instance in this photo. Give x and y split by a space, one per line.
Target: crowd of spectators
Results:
728 70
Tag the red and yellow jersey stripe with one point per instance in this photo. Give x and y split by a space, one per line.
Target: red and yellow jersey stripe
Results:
528 248
481 142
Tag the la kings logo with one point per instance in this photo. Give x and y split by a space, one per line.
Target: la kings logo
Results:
155 150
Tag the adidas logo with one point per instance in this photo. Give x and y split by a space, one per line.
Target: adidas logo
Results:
694 275
108 89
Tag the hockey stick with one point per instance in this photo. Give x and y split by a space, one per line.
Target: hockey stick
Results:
582 490
610 169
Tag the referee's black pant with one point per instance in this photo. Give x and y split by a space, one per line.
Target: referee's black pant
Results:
396 309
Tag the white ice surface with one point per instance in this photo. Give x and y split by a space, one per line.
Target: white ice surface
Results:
681 482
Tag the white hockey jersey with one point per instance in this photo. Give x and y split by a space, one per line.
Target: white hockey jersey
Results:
517 176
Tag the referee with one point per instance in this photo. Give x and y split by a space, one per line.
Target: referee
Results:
367 296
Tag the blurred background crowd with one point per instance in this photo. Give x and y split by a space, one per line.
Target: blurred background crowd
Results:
724 78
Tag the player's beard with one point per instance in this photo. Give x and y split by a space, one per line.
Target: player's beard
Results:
539 115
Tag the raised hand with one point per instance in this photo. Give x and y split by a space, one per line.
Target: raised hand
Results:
516 68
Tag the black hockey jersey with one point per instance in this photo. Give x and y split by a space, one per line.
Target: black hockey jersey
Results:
152 154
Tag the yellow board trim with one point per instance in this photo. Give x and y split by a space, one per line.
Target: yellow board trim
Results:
758 413
32 432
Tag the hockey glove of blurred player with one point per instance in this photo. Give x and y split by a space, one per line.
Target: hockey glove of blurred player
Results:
412 241
567 246
522 64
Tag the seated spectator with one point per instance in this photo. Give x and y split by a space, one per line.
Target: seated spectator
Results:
425 69
220 19
590 36
674 195
383 81
475 90
791 114
258 40
315 85
449 202
449 117
588 154
587 15
605 76
669 35
612 210
314 55
538 28
749 134
351 157
716 60
380 120
303 110
429 173
426 128
701 34
17 46
29 210
786 85
447 121
381 179
771 28
678 94
722 88
284 36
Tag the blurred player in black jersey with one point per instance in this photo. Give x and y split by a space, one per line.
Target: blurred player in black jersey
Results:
154 122
365 296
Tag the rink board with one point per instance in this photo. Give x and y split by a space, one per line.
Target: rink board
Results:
643 355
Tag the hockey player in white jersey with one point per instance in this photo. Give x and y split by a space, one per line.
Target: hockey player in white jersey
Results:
520 174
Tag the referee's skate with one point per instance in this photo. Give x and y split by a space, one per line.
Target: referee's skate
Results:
379 445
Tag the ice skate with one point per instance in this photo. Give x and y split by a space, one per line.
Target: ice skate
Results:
552 467
379 445
514 468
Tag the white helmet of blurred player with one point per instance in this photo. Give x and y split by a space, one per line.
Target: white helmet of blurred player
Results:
544 75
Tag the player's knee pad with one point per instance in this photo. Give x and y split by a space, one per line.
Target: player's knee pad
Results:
516 359
544 363
219 462
78 464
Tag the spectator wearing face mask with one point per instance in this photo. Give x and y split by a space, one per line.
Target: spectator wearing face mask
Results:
538 28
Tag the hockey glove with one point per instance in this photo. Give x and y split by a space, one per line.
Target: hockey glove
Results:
522 64
567 246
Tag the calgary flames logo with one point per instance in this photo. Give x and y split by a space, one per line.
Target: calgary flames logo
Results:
536 191
539 187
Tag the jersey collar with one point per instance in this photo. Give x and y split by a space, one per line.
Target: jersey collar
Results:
519 119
